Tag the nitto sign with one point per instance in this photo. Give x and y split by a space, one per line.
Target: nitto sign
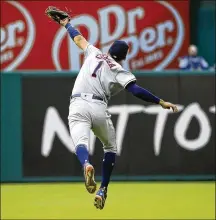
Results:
165 143
54 126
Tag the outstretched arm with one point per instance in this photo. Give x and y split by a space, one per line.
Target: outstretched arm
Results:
147 96
75 35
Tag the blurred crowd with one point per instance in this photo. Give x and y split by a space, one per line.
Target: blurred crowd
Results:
192 61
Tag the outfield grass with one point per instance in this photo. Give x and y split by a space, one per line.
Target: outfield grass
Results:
125 201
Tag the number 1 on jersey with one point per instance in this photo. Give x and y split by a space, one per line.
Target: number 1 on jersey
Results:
96 69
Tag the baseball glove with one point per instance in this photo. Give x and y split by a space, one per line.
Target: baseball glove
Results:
56 14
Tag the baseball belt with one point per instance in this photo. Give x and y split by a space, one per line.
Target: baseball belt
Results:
93 97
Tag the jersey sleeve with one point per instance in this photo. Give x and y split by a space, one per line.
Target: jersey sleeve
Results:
124 77
90 49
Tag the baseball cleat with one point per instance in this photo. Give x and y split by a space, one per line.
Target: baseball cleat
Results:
89 178
100 198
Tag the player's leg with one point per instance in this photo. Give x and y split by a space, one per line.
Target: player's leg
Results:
80 132
104 130
106 134
80 135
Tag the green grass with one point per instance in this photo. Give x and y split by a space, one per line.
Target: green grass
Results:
144 200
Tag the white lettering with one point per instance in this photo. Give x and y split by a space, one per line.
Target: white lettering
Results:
74 52
161 30
147 39
12 29
53 125
183 122
105 49
133 15
7 56
123 111
19 27
3 35
159 125
104 13
137 63
212 109
153 57
179 39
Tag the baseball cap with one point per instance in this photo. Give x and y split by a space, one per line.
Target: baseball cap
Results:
118 50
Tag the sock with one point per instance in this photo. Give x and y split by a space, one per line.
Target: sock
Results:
82 154
107 167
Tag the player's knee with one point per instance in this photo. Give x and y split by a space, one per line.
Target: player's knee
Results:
112 149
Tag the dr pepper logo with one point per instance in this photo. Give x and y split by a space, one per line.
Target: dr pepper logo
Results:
17 34
154 31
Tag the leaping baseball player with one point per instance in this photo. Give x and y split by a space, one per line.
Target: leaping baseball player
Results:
100 77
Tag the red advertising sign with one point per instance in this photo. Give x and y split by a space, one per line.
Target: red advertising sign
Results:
156 31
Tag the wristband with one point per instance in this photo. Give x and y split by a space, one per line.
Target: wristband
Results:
72 31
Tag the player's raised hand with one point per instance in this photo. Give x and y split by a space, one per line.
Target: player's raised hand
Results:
168 105
64 21
57 15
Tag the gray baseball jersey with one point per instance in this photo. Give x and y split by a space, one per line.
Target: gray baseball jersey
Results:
101 75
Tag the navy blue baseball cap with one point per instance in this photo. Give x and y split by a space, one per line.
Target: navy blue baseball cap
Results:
118 50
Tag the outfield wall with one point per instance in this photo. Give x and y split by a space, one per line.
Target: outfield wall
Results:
153 144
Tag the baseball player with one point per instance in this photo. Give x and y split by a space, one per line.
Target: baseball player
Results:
100 77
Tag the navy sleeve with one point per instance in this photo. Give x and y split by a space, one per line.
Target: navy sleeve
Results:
142 93
72 31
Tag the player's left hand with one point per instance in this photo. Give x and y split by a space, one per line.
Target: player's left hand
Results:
64 21
57 15
168 105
